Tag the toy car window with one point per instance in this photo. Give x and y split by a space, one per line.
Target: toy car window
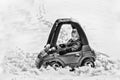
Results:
64 34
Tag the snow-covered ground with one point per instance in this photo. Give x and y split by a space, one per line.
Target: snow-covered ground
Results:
25 26
21 65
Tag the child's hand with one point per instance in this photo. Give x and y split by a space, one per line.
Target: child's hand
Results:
47 47
52 49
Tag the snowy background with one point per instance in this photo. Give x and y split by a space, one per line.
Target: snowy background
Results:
25 26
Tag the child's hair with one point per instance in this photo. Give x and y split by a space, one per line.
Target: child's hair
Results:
76 32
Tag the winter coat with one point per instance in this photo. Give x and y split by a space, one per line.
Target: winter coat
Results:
70 46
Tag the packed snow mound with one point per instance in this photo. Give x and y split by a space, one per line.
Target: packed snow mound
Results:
24 63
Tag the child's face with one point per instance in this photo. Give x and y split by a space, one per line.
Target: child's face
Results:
75 36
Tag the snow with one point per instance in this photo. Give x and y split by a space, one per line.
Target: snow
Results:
21 65
25 26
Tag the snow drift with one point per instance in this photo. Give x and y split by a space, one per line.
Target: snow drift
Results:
22 64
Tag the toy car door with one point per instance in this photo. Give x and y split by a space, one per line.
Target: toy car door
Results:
71 58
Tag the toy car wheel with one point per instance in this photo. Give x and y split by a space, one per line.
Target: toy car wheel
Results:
89 63
55 65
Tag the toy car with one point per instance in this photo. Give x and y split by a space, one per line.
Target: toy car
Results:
85 56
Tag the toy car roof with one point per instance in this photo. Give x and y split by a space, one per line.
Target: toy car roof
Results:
65 21
56 29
